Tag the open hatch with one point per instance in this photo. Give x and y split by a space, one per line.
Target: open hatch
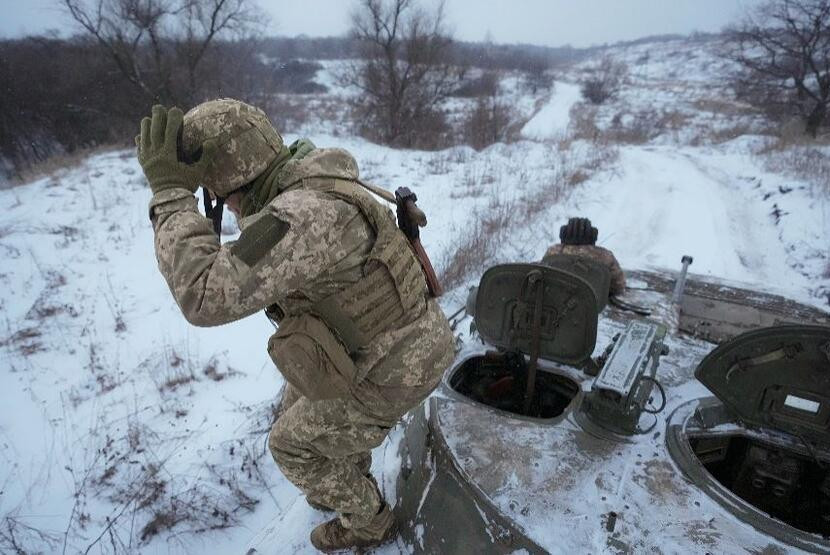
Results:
762 448
499 380
564 304
530 312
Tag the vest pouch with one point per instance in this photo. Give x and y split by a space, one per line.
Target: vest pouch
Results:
391 262
312 359
393 252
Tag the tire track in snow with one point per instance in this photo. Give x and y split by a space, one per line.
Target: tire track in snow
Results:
670 202
552 120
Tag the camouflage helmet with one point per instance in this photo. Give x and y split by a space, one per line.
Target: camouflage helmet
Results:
247 142
578 231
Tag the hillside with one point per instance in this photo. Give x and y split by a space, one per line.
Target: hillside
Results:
124 429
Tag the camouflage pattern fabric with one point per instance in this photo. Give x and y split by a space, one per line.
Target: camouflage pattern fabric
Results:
265 187
601 255
322 252
317 444
247 142
290 395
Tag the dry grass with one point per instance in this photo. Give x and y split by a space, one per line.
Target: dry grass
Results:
803 159
626 127
149 499
476 248
26 342
194 509
20 538
480 242
105 375
583 123
723 107
721 135
638 131
791 135
175 374
639 127
490 121
56 164
217 371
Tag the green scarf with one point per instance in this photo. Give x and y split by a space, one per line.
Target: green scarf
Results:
264 188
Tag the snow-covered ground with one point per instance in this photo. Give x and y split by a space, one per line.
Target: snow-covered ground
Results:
551 122
124 429
717 206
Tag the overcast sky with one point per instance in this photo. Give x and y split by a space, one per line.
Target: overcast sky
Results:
548 22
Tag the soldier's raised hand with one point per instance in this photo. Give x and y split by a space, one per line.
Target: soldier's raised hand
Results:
158 152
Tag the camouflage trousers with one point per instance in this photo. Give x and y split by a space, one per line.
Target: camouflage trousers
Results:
324 448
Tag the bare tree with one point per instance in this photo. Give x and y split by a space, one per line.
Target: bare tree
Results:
783 48
59 96
537 73
405 72
489 120
604 80
160 45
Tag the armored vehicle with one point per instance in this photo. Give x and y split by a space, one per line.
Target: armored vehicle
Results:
568 424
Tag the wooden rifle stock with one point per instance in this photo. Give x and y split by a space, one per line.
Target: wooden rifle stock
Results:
410 219
434 285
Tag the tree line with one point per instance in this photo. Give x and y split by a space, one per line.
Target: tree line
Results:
59 95
64 94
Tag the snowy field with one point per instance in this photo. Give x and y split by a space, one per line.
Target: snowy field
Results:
123 429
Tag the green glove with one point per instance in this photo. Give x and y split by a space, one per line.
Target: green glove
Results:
157 152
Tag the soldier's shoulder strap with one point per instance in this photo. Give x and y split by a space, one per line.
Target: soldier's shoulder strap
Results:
357 194
388 196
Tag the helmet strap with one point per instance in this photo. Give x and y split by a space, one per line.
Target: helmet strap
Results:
214 212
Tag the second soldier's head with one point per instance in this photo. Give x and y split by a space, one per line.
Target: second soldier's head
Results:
578 231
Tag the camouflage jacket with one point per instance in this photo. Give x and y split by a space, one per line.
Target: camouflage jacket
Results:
321 248
601 255
213 285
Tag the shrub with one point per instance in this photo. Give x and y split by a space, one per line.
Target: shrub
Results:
485 85
404 73
782 49
297 77
489 121
604 81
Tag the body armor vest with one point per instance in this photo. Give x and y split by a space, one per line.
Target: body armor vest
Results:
392 291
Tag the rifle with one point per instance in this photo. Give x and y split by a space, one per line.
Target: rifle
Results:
410 219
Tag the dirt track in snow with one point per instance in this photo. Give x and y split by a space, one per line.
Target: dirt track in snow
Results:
664 202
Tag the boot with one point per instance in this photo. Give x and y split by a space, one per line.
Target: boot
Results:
325 508
331 536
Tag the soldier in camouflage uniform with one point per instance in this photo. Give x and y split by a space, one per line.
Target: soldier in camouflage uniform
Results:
579 238
360 342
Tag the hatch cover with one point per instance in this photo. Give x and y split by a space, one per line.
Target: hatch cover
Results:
776 377
505 305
